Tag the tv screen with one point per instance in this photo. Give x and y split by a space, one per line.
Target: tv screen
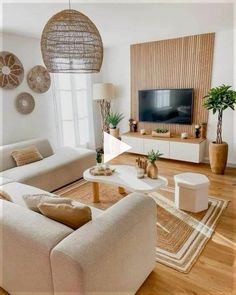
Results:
166 106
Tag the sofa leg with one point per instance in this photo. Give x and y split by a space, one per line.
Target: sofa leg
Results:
95 192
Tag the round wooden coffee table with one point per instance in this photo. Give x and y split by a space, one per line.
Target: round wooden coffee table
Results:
124 177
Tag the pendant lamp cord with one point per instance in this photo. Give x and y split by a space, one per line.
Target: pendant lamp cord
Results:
69 5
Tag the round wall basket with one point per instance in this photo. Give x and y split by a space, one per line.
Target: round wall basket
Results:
39 79
11 70
25 103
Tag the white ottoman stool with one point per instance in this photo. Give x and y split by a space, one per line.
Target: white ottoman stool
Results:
191 192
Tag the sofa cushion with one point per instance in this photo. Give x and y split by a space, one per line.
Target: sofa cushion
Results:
33 201
73 216
17 190
26 155
4 180
7 161
62 168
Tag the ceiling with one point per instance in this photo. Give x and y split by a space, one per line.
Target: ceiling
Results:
121 24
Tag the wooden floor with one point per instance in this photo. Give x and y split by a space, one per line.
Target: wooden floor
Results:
215 271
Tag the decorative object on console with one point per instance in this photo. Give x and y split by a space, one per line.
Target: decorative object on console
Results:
152 170
203 129
104 93
141 167
197 131
113 119
71 43
219 99
184 135
25 103
161 132
135 126
142 131
39 79
11 70
131 125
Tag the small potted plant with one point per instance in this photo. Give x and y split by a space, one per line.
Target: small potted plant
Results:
113 119
152 170
219 99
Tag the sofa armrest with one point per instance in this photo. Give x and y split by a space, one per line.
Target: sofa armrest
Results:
114 253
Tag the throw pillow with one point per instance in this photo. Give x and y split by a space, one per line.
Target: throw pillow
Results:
73 216
32 201
5 196
26 156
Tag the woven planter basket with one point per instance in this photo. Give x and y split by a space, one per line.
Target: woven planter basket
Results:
71 43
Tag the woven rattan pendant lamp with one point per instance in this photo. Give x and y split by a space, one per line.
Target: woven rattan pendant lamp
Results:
71 43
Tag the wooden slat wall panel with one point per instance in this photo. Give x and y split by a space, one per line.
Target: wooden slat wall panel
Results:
176 63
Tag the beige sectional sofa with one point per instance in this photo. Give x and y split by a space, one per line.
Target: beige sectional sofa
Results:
112 254
57 169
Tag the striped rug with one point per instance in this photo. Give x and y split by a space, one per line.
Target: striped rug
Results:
181 235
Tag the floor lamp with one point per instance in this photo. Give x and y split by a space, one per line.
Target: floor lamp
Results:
103 93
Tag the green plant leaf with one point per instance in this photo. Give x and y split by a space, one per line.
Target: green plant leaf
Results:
154 156
219 99
113 119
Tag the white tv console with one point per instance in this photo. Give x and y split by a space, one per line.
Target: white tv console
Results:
190 150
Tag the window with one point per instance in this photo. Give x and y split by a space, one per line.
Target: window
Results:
73 109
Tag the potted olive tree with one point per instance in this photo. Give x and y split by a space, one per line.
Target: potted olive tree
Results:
219 99
113 119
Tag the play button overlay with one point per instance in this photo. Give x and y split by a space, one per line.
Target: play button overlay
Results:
113 147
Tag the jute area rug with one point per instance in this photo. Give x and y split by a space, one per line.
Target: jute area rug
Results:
181 235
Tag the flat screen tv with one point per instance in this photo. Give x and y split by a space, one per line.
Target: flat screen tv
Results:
166 106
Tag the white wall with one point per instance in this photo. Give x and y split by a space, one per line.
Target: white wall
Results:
116 69
223 74
41 122
234 83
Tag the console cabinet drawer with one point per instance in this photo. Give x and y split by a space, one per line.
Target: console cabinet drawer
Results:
185 151
135 142
161 145
176 150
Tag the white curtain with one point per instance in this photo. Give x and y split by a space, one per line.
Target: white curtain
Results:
73 108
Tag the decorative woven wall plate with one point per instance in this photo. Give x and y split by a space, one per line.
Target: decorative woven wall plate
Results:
25 103
39 79
11 70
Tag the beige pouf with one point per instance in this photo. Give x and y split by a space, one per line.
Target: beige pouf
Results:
191 192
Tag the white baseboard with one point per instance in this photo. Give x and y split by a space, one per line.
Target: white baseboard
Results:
231 165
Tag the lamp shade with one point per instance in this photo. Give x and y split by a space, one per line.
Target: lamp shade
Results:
103 91
71 43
